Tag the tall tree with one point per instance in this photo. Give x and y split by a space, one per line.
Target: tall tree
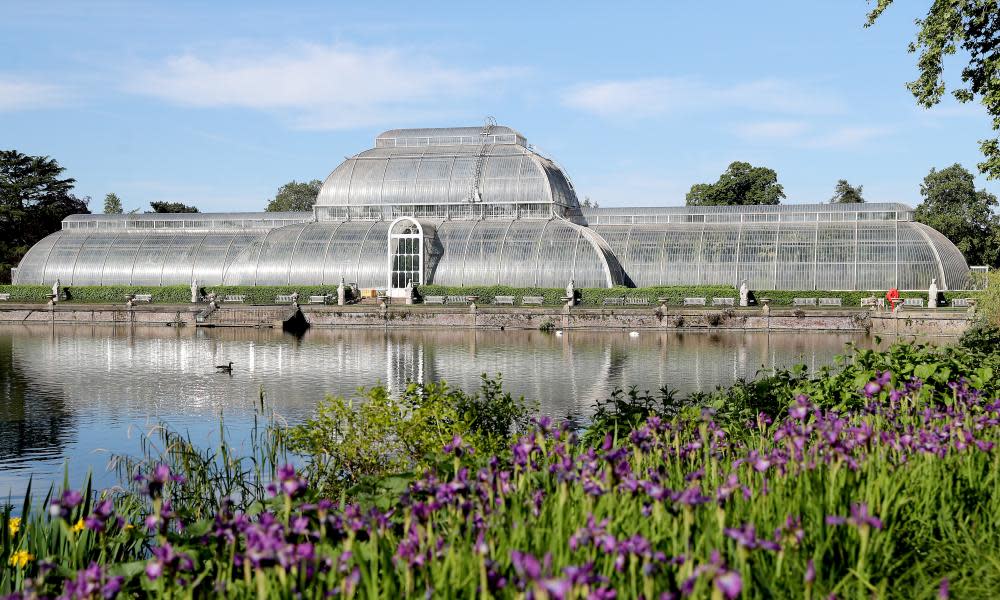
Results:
973 26
113 204
295 197
34 200
953 206
845 193
171 207
741 184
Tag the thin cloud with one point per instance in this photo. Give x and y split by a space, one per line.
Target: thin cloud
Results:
651 97
21 94
772 130
847 137
322 87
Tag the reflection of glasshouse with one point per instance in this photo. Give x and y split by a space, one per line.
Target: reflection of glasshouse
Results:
471 206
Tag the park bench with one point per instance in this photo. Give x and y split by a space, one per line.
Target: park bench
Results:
133 298
830 302
433 299
538 300
617 301
283 299
636 301
457 299
4 297
319 299
234 298
694 302
503 300
957 302
803 302
914 302
869 301
723 302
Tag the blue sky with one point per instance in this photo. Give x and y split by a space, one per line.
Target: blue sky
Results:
217 104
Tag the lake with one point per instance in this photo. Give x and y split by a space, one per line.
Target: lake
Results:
71 395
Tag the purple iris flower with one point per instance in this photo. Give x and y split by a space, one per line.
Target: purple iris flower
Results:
729 583
65 503
859 518
526 565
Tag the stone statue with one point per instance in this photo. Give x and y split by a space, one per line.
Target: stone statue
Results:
744 294
570 293
194 291
341 293
55 289
295 299
212 300
932 294
409 291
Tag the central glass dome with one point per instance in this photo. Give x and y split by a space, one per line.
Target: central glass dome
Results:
455 173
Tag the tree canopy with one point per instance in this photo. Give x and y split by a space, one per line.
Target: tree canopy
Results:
952 205
845 193
34 200
741 184
113 204
973 26
295 197
171 207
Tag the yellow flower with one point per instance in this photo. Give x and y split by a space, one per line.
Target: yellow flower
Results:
78 527
20 558
14 525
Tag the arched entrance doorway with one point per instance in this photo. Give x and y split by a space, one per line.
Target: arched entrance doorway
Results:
406 254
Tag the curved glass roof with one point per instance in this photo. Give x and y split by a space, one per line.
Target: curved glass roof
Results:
520 253
859 255
131 257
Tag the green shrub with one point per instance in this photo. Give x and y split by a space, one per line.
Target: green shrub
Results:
26 293
374 435
264 295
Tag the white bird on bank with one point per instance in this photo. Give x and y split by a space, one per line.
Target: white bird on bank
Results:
633 334
558 332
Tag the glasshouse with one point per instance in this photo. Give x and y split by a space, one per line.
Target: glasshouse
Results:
480 206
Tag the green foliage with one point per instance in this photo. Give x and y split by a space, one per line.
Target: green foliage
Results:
354 441
982 336
845 193
836 386
972 26
171 207
989 299
953 206
590 297
741 184
27 293
112 204
295 197
34 200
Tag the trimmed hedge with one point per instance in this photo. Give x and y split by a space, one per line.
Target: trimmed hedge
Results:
180 294
27 293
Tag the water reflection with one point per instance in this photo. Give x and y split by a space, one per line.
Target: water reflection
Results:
30 426
69 390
